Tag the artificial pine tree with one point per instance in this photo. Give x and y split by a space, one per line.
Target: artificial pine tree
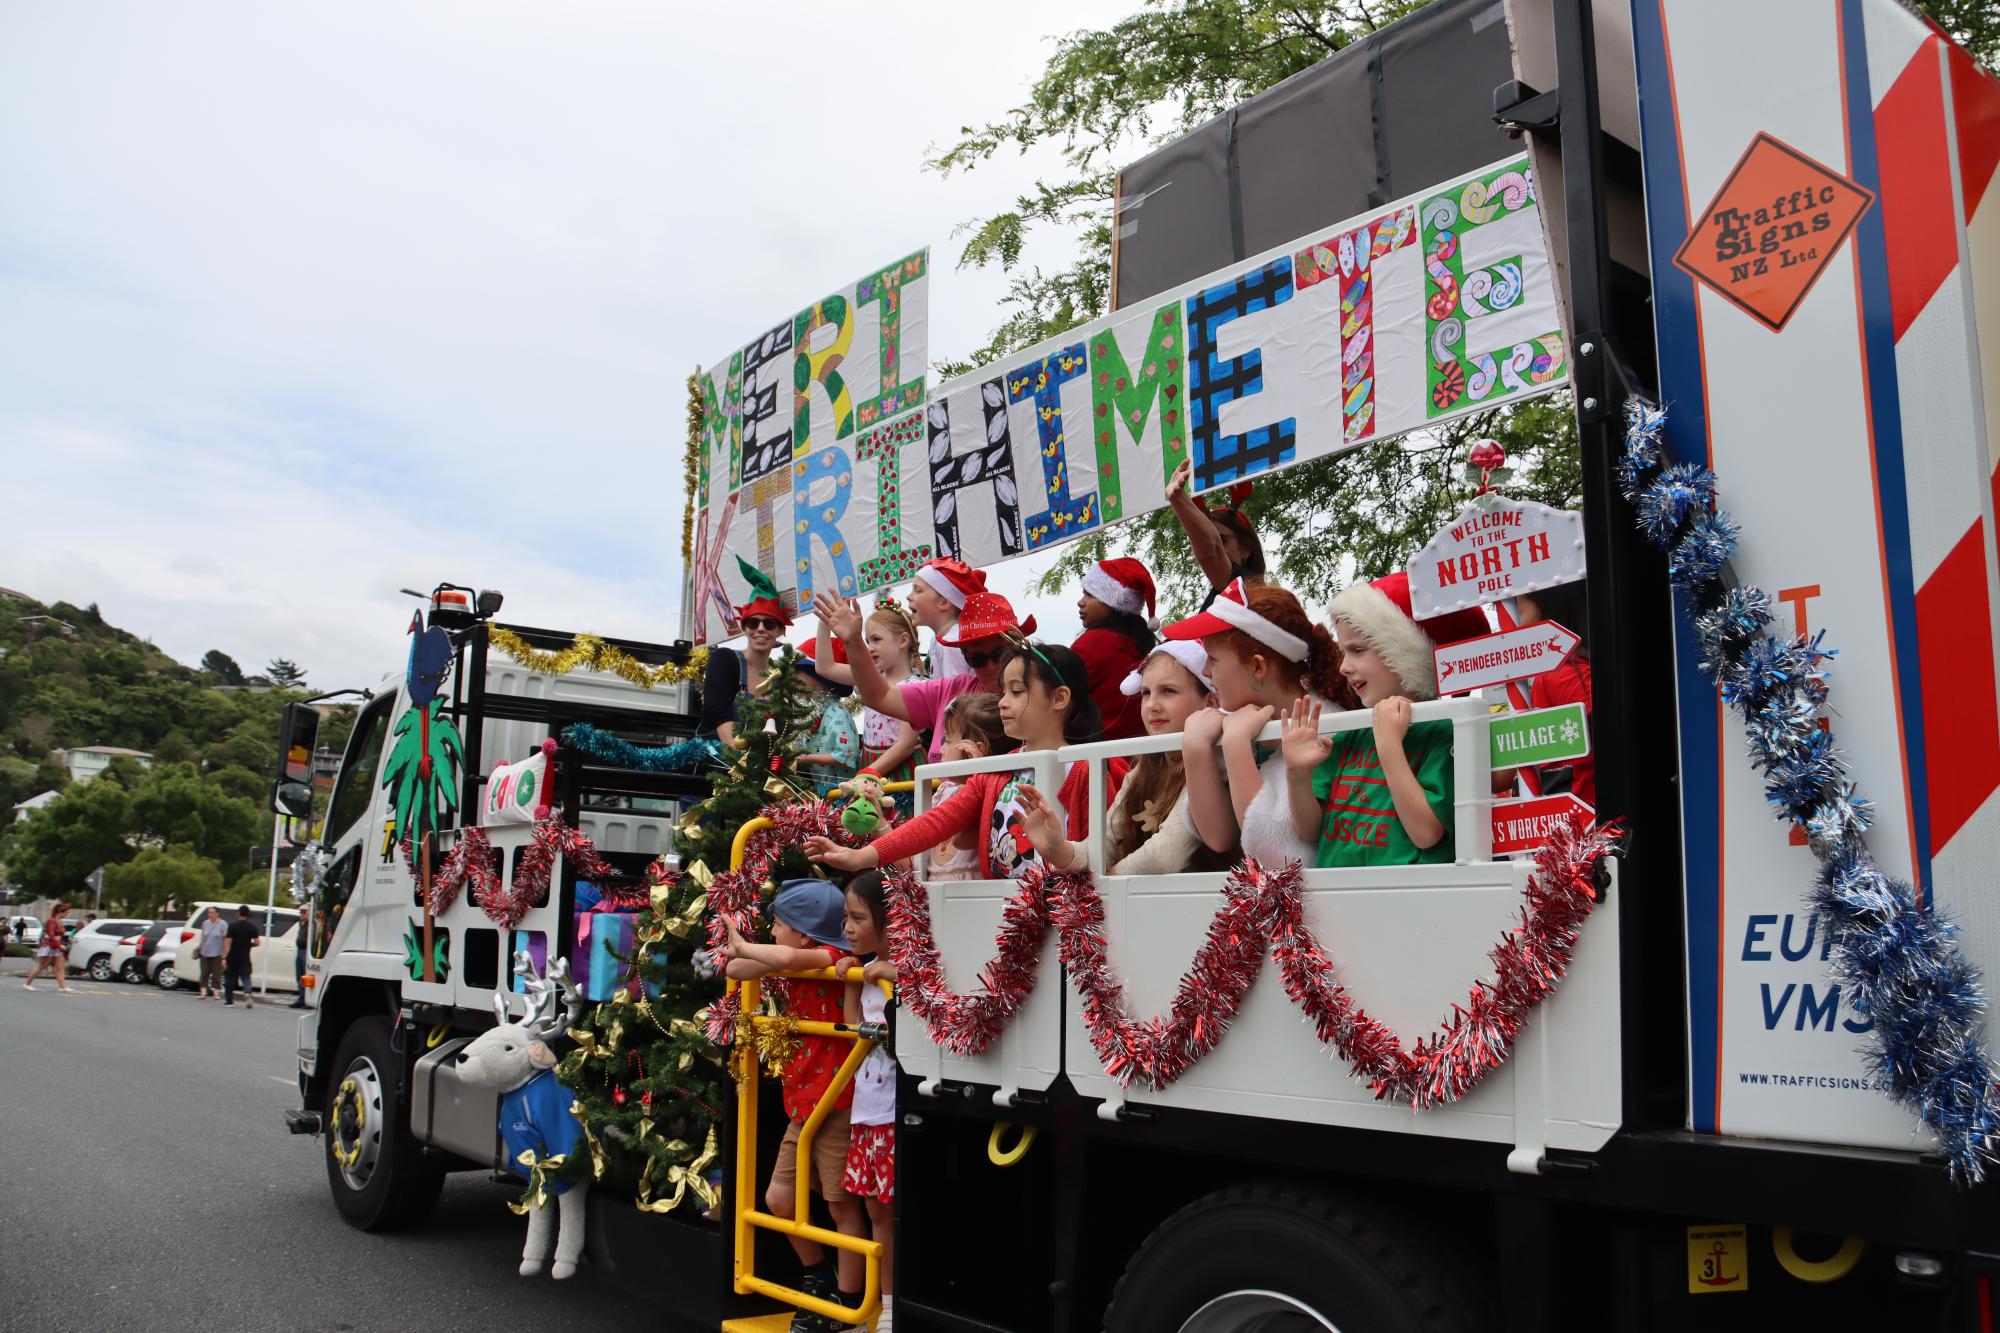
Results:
650 1083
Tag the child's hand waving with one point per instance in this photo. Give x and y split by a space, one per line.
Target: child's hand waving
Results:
1392 722
840 613
1044 827
1304 747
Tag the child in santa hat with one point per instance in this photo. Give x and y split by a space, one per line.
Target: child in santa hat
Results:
1116 609
937 600
1381 796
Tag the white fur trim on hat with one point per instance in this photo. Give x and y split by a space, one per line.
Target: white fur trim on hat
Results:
1185 651
1402 643
1111 592
942 586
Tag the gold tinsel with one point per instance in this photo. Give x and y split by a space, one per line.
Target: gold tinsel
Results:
691 476
588 652
684 1179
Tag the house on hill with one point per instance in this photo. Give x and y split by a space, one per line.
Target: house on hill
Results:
85 762
32 804
39 625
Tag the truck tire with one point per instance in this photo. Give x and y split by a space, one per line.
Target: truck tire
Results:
1279 1257
373 1163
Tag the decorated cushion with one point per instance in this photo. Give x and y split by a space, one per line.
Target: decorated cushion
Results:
521 793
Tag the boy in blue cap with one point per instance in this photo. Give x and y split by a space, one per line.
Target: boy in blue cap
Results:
808 927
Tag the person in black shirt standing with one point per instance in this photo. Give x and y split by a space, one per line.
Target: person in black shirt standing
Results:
243 937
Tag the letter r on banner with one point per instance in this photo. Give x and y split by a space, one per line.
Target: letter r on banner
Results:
822 368
821 486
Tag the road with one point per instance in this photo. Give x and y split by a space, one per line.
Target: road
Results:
150 1184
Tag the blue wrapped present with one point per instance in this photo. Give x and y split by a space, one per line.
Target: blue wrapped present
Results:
601 937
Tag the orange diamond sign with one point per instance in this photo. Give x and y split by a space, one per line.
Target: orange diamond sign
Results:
1772 229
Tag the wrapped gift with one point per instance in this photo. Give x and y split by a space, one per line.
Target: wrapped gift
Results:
535 944
605 936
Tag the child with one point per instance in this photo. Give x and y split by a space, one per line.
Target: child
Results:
1263 654
1115 639
888 744
937 597
1382 796
808 927
1044 705
1147 831
871 1144
972 730
831 754
985 634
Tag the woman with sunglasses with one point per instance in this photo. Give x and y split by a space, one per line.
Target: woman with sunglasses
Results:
733 671
985 633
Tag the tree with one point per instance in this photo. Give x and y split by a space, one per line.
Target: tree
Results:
57 846
177 806
221 667
285 673
158 876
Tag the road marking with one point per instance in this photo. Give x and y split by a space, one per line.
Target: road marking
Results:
275 1079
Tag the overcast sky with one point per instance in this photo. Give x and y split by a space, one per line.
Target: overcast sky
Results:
302 304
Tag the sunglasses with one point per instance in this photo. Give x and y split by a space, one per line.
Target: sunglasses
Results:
763 622
977 660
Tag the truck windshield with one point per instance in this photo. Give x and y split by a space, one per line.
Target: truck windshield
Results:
357 771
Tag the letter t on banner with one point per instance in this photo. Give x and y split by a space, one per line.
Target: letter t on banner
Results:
1219 458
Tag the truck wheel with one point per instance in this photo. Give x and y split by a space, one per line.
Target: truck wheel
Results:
1273 1258
379 1181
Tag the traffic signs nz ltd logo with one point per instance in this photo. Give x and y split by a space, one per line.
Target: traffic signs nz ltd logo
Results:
1772 229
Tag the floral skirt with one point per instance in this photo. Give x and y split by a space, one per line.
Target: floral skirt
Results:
871 1163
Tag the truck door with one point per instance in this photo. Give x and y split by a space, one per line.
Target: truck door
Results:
351 830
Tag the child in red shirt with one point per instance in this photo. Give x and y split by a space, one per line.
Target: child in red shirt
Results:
808 925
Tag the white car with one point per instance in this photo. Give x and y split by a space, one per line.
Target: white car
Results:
90 948
270 962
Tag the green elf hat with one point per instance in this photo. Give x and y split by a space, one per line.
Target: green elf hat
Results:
763 595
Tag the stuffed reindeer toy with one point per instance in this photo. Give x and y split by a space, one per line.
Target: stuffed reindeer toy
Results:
535 1121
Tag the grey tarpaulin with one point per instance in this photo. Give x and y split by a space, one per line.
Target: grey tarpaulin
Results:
1399 110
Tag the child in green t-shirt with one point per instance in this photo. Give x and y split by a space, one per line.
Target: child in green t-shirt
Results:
1382 796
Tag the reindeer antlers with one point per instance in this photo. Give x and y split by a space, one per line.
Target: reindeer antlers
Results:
550 997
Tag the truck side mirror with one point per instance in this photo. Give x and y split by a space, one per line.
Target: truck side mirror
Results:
293 799
298 734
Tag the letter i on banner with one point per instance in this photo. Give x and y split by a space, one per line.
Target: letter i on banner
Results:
1040 382
1349 259
1143 405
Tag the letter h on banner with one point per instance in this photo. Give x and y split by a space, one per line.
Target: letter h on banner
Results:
1219 458
989 462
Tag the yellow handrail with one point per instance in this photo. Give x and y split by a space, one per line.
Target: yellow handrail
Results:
749 1219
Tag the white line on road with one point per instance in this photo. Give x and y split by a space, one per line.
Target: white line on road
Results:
275 1079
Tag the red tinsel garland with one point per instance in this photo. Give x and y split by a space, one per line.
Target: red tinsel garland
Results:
1260 905
964 1024
470 860
737 895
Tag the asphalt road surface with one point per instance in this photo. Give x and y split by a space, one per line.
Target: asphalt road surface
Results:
150 1184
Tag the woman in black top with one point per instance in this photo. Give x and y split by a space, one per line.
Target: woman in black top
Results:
732 671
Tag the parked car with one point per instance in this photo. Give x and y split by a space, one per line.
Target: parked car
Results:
270 961
29 930
90 947
139 959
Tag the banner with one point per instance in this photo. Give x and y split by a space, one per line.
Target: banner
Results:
824 464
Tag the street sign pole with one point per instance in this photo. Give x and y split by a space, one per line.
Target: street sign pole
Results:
271 897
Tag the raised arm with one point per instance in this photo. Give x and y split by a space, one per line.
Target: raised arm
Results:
1305 749
823 664
875 689
1203 537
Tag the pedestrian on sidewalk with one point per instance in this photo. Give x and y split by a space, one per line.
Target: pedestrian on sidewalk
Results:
299 962
52 954
213 931
236 947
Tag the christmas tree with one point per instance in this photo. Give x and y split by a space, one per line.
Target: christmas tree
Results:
650 1082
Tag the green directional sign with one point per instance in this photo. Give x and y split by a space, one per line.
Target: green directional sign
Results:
1544 736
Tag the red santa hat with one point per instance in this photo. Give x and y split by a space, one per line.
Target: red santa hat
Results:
1380 613
1121 584
1231 610
953 580
986 615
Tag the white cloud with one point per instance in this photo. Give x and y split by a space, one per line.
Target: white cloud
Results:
303 304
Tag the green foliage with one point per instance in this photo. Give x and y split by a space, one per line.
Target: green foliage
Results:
1974 23
177 805
650 1071
159 875
221 667
285 673
54 850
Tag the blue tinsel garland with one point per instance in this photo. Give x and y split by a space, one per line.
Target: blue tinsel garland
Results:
680 757
1896 958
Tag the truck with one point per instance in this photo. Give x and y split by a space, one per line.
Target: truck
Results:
1717 203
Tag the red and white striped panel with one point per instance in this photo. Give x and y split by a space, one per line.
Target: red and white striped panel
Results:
1937 129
